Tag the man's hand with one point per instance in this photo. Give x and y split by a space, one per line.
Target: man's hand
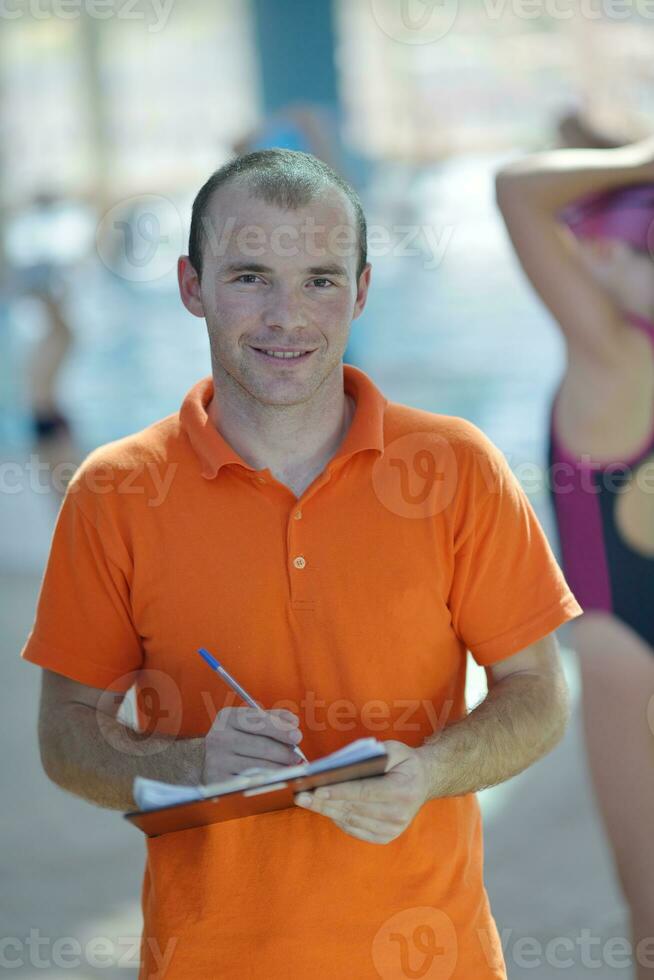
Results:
377 809
241 738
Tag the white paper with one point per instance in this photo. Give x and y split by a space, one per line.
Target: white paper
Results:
151 793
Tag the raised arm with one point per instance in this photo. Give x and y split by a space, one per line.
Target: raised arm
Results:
530 192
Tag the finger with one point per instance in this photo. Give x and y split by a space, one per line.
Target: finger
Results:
284 718
364 834
276 726
260 747
240 765
373 789
237 766
369 825
381 814
343 816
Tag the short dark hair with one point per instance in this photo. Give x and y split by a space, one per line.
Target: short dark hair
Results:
289 179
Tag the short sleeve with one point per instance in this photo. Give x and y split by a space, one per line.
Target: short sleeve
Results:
83 626
507 589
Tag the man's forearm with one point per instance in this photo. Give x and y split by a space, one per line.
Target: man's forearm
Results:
552 179
99 761
522 718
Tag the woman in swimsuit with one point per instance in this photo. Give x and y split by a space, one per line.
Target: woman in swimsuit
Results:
582 225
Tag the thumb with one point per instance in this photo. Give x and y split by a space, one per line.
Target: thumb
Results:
397 752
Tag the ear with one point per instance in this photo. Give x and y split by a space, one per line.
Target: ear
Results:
362 290
189 286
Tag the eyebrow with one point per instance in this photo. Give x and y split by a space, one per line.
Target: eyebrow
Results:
313 270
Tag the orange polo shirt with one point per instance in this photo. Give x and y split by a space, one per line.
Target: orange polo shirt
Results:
354 606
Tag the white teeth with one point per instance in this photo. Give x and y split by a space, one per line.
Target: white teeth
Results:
287 354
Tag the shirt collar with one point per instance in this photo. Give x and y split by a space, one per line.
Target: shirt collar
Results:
213 451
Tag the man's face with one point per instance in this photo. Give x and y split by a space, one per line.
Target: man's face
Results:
277 279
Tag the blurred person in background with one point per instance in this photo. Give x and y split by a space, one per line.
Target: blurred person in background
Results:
36 266
298 126
582 224
51 428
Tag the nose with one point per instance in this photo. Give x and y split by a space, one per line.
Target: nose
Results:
284 308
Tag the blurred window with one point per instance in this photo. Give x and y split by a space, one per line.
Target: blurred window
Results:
122 103
423 79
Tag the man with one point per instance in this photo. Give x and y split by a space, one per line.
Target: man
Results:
339 553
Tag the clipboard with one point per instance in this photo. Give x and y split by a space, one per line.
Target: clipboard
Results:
260 798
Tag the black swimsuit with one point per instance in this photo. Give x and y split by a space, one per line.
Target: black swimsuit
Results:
48 425
602 569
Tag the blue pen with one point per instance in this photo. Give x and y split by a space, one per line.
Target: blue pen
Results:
226 676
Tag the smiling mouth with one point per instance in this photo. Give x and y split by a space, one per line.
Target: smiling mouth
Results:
285 357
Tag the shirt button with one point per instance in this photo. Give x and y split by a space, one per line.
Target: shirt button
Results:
261 479
299 562
297 515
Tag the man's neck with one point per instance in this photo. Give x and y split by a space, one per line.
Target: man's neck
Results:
288 440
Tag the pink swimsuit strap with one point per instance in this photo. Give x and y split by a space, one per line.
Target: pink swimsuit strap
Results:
642 322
